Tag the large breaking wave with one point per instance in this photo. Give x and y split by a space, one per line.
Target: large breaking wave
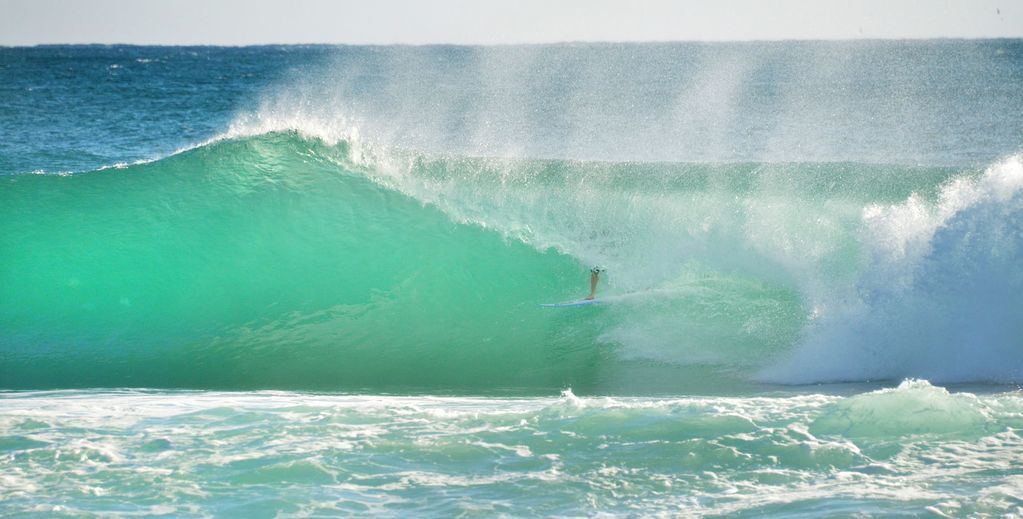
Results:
286 256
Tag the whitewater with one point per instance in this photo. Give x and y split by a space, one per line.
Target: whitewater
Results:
306 280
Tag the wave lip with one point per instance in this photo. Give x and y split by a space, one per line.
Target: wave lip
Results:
276 260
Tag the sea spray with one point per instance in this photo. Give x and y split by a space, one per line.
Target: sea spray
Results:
282 261
938 295
379 224
338 217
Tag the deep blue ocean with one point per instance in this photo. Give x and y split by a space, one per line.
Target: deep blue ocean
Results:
306 280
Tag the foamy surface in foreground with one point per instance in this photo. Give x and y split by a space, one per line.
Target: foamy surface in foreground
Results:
915 449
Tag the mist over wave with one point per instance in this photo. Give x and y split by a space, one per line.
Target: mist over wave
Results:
873 102
887 271
279 261
768 214
353 244
939 294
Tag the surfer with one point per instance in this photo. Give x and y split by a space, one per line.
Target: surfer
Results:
594 277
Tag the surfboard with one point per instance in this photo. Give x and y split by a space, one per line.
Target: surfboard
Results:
581 302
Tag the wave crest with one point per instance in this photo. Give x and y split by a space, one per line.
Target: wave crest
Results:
939 295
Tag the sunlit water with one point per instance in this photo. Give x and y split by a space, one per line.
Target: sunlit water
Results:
321 268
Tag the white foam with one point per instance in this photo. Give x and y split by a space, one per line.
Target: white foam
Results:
939 296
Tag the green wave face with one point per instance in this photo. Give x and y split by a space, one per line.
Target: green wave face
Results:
276 261
250 264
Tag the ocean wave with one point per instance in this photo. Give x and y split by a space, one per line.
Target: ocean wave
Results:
277 257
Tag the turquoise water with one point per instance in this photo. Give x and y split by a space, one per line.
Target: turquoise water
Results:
306 280
915 450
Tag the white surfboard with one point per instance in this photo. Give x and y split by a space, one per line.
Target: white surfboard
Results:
581 302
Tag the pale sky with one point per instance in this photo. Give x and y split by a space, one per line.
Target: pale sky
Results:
244 22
